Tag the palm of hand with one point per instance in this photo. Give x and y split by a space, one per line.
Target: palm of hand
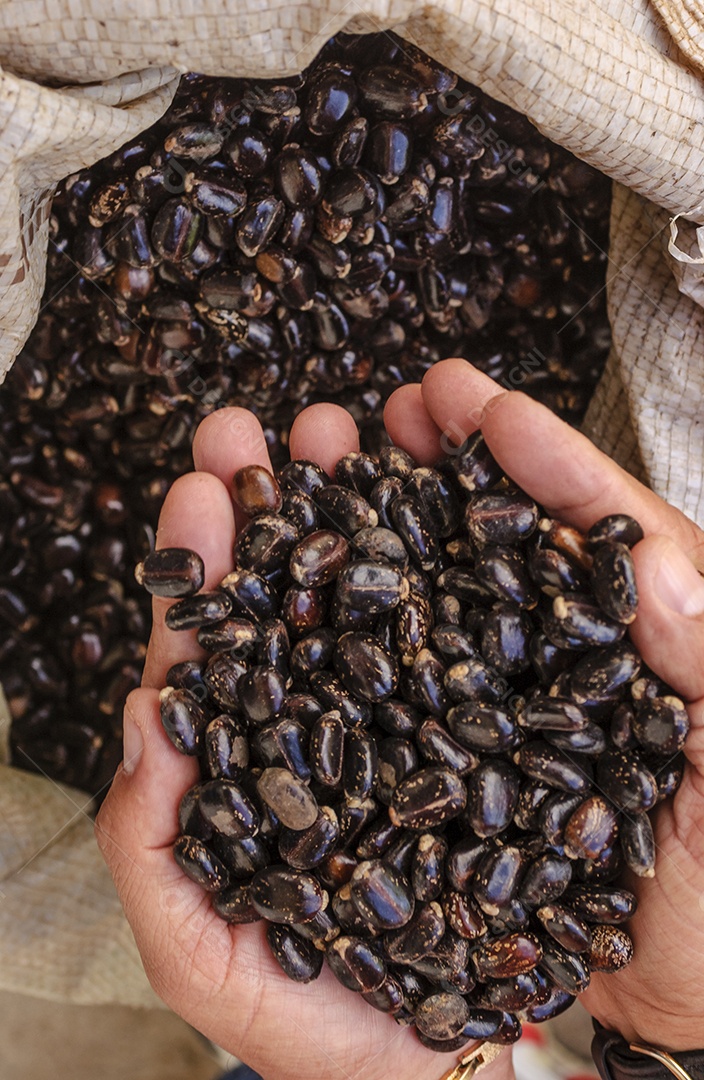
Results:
224 979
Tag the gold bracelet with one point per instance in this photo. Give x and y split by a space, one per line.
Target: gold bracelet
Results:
474 1060
663 1057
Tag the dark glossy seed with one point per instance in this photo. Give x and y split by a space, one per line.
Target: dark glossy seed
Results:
200 864
462 862
344 510
365 667
552 714
600 904
501 517
382 497
547 659
566 539
358 471
660 725
303 610
472 680
243 858
298 958
532 795
615 529
463 916
611 949
414 525
190 820
503 570
496 882
291 800
332 695
258 225
337 869
428 867
171 572
613 579
360 763
505 957
217 199
492 796
298 176
570 932
438 498
540 1011
382 545
226 807
505 637
437 745
221 676
638 844
286 896
380 838
428 798
302 475
578 623
283 744
371 587
226 747
453 643
306 848
602 672
566 969
546 878
234 906
321 929
327 749
513 993
348 143
626 782
418 937
397 717
356 963
554 814
475 466
482 727
195 142
312 653
591 829
184 720
554 571
176 230
544 762
256 491
382 895
331 96
251 596
389 998
301 511
196 611
392 91
262 693
318 558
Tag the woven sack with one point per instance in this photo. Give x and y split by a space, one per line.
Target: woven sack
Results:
617 82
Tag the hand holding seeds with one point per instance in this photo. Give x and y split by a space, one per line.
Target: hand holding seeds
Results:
453 764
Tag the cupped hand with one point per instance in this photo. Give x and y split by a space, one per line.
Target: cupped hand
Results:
223 979
658 998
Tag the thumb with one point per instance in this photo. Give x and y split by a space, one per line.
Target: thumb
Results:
669 628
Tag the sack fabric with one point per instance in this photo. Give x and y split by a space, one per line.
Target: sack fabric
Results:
617 82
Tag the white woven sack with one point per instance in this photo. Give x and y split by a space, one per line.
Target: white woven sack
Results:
618 82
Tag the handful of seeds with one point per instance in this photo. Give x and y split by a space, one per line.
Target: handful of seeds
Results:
427 747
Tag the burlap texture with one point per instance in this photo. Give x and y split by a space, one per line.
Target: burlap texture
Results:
618 82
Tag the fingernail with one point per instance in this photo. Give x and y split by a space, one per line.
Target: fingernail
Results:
678 584
132 743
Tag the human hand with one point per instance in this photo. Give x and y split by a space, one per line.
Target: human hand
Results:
220 978
657 998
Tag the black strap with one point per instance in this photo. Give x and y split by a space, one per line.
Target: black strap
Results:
615 1061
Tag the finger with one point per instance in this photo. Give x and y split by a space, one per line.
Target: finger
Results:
225 441
455 394
323 433
411 426
557 465
198 514
669 628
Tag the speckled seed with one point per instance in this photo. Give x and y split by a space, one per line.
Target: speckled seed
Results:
600 903
476 468
418 937
442 1016
286 896
496 882
366 668
371 587
661 725
567 970
505 957
626 782
382 896
611 949
234 906
195 611
492 796
501 517
482 727
264 545
428 867
570 932
298 958
604 671
226 747
513 993
389 998
327 749
428 798
225 806
319 558
462 862
463 915
616 529
579 620
171 572
200 864
546 878
345 510
591 829
415 527
291 800
356 963
436 745
184 720
614 581
638 844
552 713
256 491
262 693
541 761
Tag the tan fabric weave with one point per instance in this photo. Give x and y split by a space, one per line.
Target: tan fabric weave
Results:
618 82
